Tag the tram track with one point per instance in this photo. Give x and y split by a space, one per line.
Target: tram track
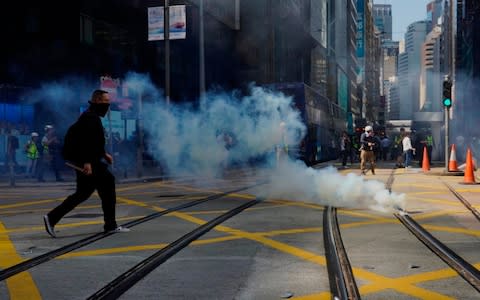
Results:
43 258
465 202
340 274
456 262
128 279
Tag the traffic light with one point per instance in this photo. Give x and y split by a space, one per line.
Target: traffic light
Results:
447 93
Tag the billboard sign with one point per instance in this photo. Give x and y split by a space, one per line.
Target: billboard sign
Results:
177 21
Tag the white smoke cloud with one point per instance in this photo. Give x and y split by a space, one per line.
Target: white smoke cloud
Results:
293 180
186 139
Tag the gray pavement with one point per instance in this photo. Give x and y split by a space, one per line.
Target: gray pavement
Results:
271 251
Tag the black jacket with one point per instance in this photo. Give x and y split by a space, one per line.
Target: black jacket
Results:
370 139
91 138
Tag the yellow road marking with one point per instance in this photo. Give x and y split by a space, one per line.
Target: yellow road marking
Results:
70 225
208 212
452 229
434 214
141 247
20 286
442 189
29 203
48 209
467 191
439 201
380 282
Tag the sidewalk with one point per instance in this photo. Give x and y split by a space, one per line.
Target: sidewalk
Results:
155 173
20 180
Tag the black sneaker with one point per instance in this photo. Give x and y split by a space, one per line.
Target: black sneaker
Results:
49 227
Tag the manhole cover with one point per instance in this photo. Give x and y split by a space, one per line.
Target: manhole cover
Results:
85 216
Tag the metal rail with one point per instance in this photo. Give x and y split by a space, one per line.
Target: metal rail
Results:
340 274
467 204
125 281
30 263
463 268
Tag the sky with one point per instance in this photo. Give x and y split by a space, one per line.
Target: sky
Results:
405 12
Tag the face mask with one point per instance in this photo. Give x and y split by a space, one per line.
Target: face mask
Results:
100 109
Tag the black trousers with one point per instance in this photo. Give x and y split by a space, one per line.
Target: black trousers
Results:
101 180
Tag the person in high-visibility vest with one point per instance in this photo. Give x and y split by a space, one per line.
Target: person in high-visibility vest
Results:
31 148
429 143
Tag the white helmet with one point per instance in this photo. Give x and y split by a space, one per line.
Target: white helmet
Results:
368 128
34 134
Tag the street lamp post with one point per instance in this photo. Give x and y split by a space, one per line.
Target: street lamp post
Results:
166 27
201 52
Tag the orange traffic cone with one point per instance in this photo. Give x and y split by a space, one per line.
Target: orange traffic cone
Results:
425 162
452 163
469 177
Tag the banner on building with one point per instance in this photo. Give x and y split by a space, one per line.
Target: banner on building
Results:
360 28
177 21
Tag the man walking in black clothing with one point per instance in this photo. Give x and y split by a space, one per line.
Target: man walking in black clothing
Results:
88 153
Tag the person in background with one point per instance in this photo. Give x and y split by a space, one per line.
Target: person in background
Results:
31 149
54 149
429 142
50 154
12 147
345 148
408 150
88 156
44 156
368 146
385 142
398 148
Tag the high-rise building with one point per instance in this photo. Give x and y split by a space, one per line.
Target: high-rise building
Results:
382 16
431 77
434 12
410 70
467 65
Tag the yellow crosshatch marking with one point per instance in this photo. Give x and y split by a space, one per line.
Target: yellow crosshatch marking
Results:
20 286
376 283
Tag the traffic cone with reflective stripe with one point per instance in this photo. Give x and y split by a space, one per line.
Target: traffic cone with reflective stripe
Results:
469 177
452 163
425 162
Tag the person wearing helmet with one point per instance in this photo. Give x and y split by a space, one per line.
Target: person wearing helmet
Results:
369 145
31 149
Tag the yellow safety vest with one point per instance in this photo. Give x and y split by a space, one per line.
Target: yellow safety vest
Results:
429 140
32 151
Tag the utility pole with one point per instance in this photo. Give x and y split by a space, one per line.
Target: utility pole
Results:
201 52
167 50
140 137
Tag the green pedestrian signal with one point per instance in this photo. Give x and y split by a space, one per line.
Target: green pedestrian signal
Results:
447 93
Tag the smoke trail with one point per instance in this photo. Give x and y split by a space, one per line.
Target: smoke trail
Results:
292 180
60 100
185 139
191 140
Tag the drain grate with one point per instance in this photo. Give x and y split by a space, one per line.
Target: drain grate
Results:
85 216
